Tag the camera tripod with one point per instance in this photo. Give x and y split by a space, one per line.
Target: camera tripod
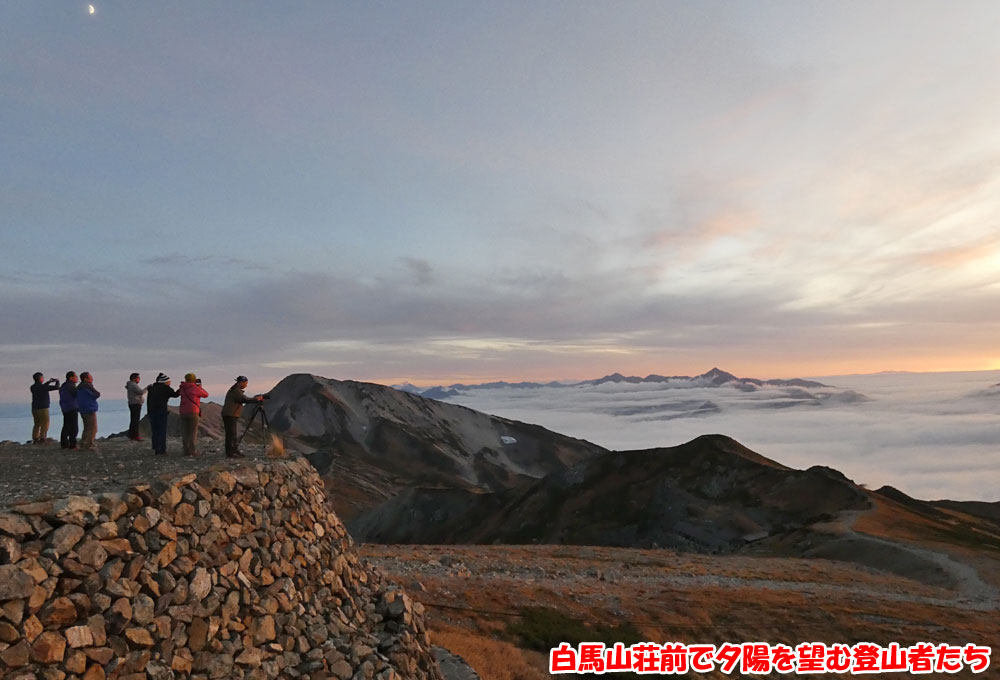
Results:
257 413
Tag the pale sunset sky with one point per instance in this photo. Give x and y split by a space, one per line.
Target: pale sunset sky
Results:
469 191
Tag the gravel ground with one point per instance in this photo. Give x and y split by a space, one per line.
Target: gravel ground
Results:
31 472
619 567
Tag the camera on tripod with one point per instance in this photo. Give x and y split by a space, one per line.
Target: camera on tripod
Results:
257 412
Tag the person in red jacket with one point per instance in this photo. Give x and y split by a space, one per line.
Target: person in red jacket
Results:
191 395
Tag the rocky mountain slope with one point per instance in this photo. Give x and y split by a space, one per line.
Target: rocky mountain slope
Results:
372 441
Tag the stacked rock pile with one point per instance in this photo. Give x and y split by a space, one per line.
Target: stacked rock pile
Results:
238 573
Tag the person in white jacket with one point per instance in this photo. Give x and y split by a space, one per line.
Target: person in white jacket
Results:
135 399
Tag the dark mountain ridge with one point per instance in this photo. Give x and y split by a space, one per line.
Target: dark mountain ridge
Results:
708 495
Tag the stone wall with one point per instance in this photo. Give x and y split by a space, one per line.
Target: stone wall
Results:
238 572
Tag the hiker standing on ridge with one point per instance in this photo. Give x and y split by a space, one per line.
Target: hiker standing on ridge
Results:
71 412
160 393
231 412
134 393
86 397
191 395
40 406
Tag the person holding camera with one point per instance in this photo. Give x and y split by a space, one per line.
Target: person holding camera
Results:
232 409
40 406
86 398
191 395
135 398
159 393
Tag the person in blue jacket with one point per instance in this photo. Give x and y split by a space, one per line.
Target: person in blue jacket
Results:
86 397
70 411
40 389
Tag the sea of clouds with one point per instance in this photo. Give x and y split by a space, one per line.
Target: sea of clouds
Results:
931 435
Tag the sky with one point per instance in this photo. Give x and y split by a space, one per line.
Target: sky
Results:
467 191
930 435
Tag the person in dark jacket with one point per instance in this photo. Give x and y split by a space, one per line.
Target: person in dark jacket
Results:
232 409
159 393
134 394
86 397
70 411
40 389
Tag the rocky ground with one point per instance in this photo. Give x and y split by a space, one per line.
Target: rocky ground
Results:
33 472
474 595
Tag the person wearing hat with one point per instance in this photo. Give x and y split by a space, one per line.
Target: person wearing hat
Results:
232 409
86 397
70 410
40 401
134 394
159 393
191 395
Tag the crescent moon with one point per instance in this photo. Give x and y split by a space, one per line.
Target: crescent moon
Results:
90 9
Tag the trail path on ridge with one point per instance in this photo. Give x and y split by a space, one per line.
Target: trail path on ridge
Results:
975 593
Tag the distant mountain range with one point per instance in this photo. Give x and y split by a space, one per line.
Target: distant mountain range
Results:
713 378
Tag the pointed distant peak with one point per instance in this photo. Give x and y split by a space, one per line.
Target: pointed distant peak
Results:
718 376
